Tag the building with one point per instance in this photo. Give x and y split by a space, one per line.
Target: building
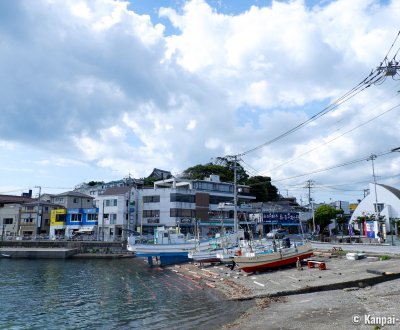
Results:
116 213
10 213
76 210
35 218
188 204
342 205
382 200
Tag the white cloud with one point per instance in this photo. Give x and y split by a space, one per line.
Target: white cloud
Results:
96 86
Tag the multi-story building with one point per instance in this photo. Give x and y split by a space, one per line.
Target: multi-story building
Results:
188 204
342 205
116 213
35 218
79 211
10 213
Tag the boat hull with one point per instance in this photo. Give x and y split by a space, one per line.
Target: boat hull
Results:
205 256
262 262
166 254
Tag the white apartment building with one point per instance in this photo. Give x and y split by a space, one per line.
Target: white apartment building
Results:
187 204
116 213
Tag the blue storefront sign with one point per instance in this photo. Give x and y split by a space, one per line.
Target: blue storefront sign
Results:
281 218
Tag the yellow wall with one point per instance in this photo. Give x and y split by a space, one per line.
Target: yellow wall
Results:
353 207
53 217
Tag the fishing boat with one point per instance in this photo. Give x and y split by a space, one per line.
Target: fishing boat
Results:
273 257
218 246
171 247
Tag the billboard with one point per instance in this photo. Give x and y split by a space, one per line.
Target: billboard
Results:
281 218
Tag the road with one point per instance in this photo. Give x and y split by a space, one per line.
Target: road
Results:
372 248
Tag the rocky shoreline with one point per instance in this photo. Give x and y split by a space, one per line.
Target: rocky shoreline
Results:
308 298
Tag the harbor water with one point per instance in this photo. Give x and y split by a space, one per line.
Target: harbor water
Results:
106 294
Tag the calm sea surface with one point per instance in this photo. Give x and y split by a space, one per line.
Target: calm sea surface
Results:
105 294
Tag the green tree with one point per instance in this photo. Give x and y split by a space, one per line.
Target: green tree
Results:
94 183
224 169
324 214
262 189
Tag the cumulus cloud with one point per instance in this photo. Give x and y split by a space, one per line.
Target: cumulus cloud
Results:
107 88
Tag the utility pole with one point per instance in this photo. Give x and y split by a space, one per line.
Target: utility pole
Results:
37 223
310 184
235 220
371 158
390 69
129 206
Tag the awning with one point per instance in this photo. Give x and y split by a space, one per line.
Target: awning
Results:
86 229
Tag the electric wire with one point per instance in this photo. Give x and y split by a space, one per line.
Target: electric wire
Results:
366 83
335 138
333 167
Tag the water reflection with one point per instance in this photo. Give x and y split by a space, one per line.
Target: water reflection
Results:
105 294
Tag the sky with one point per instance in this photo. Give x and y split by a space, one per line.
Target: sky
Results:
101 90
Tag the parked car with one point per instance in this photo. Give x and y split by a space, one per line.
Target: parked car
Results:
277 233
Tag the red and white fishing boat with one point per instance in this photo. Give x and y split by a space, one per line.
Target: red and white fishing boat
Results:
269 259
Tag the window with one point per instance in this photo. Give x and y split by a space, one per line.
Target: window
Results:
212 186
113 219
29 208
151 213
151 199
28 220
111 202
59 200
76 217
60 217
182 198
76 200
185 213
92 217
220 199
8 221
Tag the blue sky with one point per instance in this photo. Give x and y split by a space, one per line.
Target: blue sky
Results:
103 89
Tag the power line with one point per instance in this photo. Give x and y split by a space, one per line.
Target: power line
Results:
337 137
367 82
333 167
375 77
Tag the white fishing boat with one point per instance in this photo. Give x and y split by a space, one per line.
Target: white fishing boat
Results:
171 247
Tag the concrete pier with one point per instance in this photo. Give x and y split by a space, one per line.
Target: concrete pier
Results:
37 253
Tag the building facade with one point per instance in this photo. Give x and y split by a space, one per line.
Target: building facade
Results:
382 201
116 217
188 204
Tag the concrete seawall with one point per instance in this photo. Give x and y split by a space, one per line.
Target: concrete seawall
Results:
37 253
61 249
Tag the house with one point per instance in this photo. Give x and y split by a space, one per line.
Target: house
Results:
10 211
35 218
116 213
76 210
